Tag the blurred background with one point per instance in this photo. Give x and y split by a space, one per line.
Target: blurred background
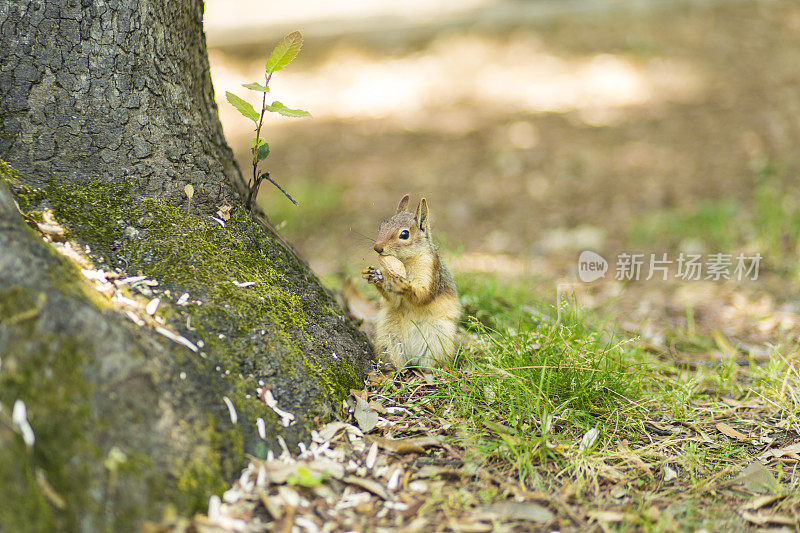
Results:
538 129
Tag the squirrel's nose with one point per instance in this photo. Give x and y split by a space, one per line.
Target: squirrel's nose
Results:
378 248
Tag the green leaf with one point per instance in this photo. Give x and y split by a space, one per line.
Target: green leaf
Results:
284 52
277 107
255 86
304 477
261 152
244 107
257 142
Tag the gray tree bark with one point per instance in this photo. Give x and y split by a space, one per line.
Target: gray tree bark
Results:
111 90
107 112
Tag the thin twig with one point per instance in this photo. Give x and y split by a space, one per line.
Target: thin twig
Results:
275 183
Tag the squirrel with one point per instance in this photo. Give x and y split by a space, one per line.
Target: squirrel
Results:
417 322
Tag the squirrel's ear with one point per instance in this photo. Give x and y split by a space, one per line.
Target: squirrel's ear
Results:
403 204
422 216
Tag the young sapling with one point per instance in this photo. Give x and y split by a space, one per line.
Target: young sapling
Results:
283 54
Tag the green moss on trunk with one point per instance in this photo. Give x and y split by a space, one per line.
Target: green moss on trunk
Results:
252 333
98 388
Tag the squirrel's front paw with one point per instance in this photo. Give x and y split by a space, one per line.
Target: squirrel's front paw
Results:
397 285
372 275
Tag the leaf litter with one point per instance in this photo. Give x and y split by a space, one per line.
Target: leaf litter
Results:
378 475
393 465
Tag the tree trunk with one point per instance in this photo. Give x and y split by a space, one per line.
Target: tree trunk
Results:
110 90
107 112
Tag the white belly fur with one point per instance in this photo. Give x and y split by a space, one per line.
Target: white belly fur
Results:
416 336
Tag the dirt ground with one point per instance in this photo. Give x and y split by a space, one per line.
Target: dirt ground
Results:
541 142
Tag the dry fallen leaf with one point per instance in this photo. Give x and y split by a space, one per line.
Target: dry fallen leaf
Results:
330 430
365 415
619 491
760 501
273 504
756 478
224 211
360 393
607 516
372 456
588 440
793 451
532 512
760 518
326 467
277 471
368 484
737 403
629 454
731 432
402 446
466 526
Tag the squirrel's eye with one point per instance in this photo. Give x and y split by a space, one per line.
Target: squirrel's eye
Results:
404 234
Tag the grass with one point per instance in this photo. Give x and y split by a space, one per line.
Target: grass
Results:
532 385
549 396
707 225
769 222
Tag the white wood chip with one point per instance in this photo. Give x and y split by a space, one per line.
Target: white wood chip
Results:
177 338
261 478
290 496
231 410
94 275
354 500
418 486
262 428
134 318
372 456
394 480
306 524
19 415
322 449
131 280
124 300
214 503
396 506
152 306
286 418
285 449
184 299
232 524
243 284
